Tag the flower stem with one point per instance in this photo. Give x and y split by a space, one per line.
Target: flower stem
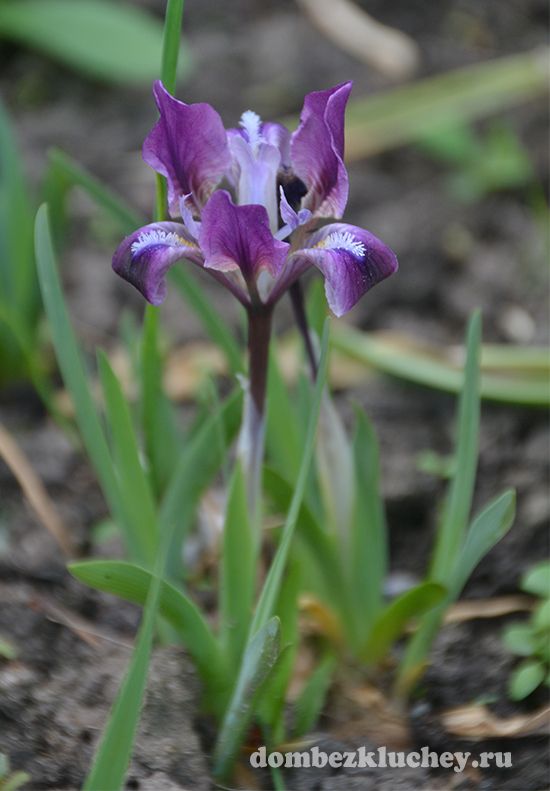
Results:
252 436
298 306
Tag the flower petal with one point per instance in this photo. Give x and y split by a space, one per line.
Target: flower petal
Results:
239 238
255 174
188 145
352 261
317 151
144 257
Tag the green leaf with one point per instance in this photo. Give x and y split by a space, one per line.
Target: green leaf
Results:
525 679
134 484
107 40
541 617
270 589
368 541
518 638
283 435
115 748
200 459
74 375
213 324
259 659
132 583
486 530
537 580
65 173
459 497
527 387
312 699
238 571
160 431
319 544
391 622
271 706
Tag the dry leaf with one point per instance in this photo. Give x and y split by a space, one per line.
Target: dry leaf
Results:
469 609
373 717
35 492
390 51
476 722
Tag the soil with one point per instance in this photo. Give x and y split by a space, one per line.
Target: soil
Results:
72 644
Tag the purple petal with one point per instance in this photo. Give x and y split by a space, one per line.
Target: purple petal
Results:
255 174
352 261
144 257
317 151
188 145
239 238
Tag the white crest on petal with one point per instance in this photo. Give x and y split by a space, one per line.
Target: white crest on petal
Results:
344 240
251 123
158 236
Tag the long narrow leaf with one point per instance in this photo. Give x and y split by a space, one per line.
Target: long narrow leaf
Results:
486 530
132 583
73 372
258 661
112 41
459 498
134 483
270 590
238 566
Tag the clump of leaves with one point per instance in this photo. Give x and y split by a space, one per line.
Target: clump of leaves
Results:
531 640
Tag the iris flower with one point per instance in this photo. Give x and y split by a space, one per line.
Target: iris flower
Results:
250 203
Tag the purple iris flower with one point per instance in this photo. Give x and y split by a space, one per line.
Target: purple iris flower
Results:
251 203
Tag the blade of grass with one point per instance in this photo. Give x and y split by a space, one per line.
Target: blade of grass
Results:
74 376
238 566
132 583
115 748
368 545
402 115
270 589
258 660
64 173
424 370
458 501
485 531
391 622
312 699
134 484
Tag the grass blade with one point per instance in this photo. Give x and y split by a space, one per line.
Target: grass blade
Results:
73 372
270 590
459 497
65 173
368 544
486 530
115 748
391 622
134 484
238 567
259 658
132 583
529 388
309 705
110 41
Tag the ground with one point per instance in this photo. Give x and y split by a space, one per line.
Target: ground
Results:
266 56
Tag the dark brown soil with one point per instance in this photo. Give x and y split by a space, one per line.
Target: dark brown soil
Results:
54 697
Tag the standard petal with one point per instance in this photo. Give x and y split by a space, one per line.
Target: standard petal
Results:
255 174
188 145
317 151
352 261
144 257
239 238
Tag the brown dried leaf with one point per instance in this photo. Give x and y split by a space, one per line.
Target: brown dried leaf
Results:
390 51
35 492
469 609
476 722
